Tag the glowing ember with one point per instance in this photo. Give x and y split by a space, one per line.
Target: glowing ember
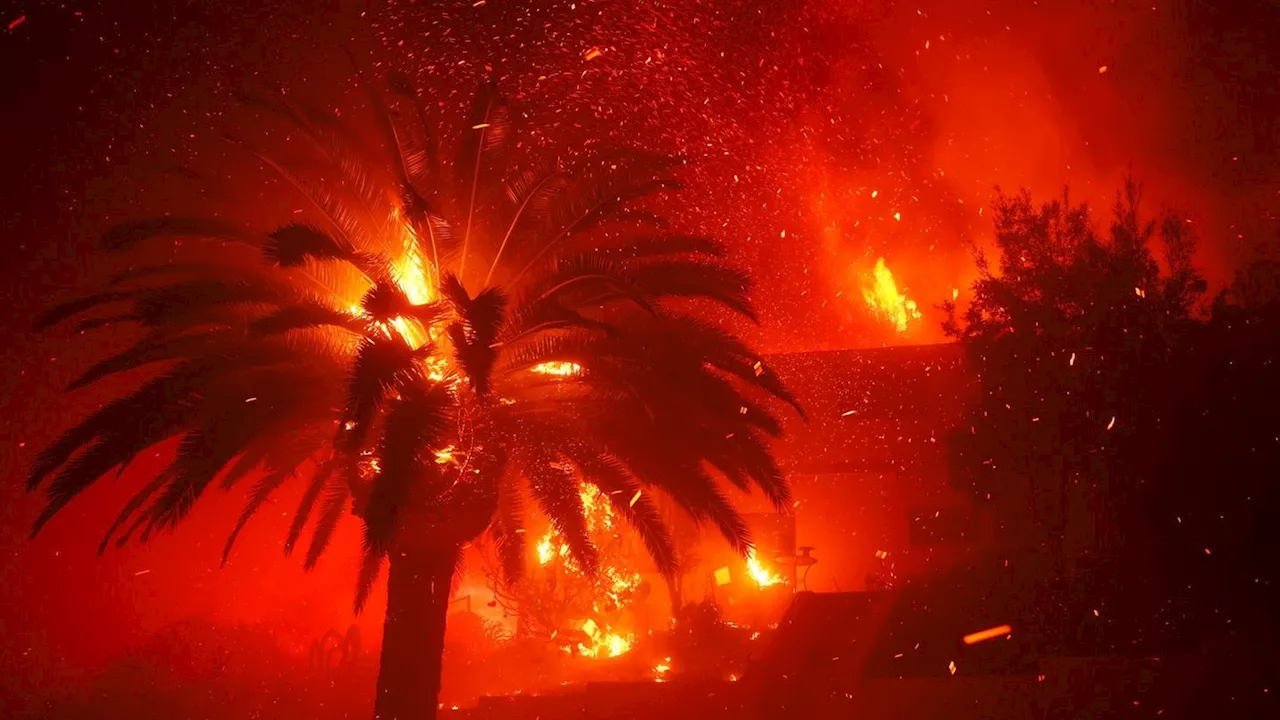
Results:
884 299
981 635
764 578
558 369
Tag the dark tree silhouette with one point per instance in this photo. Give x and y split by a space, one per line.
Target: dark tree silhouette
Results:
1096 371
449 341
1073 337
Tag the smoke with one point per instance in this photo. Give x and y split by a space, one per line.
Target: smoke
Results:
826 135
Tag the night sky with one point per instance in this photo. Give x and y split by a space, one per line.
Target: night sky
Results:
820 136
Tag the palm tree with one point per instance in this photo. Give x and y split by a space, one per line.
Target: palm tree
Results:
452 342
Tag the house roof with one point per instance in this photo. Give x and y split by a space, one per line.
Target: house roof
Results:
882 408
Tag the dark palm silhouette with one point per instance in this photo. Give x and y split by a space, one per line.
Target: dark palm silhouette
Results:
456 339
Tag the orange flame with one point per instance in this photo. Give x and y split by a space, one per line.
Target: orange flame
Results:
615 583
604 641
411 268
763 577
885 301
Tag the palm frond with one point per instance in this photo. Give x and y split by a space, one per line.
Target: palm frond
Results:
319 481
148 351
386 301
128 234
262 492
158 405
71 308
725 352
383 363
135 503
335 504
294 244
420 148
341 151
92 464
628 498
532 194
508 531
685 278
371 560
414 425
306 316
335 210
555 488
251 459
481 158
475 331
703 501
581 279
593 200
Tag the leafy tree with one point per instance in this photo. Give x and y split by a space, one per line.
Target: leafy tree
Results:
446 343
1073 336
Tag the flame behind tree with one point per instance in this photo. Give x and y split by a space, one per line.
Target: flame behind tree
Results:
880 291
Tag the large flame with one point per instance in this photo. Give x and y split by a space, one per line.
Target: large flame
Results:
882 296
411 271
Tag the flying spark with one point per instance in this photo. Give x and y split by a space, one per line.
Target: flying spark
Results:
981 635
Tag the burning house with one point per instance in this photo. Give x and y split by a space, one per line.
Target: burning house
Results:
873 505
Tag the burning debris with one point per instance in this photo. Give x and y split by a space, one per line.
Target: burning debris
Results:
989 633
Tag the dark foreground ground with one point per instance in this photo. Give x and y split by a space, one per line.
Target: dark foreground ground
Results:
895 654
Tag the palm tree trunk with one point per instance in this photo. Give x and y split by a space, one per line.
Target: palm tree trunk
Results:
418 584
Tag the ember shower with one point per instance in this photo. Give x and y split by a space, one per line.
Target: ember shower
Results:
828 135
845 151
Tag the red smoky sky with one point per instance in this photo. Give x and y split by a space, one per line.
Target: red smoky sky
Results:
820 137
